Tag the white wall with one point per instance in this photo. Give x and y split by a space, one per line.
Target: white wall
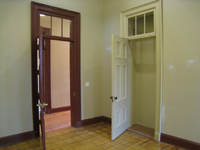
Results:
15 61
181 69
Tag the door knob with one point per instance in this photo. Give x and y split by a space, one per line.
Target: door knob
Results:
42 105
112 98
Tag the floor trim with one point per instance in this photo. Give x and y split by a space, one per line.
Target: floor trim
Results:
186 144
16 138
106 119
95 120
21 137
65 108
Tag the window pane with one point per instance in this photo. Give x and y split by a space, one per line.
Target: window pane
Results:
56 26
149 22
140 24
66 27
45 22
131 26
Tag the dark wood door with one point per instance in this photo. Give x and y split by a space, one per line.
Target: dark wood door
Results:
41 87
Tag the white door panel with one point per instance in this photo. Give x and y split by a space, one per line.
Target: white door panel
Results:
119 86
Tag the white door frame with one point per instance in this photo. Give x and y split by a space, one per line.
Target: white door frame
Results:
157 6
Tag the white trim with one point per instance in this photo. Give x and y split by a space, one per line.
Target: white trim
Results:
141 36
156 6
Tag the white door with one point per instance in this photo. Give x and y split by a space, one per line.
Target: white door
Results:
120 120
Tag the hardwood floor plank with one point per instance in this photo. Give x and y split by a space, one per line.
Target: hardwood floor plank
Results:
92 137
58 120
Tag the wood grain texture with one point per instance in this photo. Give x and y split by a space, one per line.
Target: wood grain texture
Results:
57 120
142 130
92 137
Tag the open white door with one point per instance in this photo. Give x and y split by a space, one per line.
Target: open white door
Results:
120 119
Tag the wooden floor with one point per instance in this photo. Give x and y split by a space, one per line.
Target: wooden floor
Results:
58 120
92 137
142 130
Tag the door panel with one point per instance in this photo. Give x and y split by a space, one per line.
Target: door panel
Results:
41 87
120 120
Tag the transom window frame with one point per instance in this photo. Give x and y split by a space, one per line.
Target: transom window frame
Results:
75 63
124 15
154 6
71 38
144 34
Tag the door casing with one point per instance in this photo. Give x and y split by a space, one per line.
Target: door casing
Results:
157 5
75 76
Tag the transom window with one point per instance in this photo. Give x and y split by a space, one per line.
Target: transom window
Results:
141 24
55 26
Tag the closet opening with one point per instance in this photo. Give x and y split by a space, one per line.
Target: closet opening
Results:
143 68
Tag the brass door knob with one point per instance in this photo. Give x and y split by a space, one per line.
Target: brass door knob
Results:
42 105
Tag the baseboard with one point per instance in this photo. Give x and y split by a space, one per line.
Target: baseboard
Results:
16 138
95 120
106 119
186 144
21 137
54 110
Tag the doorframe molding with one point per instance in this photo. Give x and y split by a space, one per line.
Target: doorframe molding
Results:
157 5
75 73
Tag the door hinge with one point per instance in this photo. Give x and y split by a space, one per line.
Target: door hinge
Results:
74 94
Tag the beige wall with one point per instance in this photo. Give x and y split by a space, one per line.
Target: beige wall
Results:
60 74
15 61
181 73
181 82
181 69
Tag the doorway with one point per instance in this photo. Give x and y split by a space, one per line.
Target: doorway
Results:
64 17
57 84
144 85
136 69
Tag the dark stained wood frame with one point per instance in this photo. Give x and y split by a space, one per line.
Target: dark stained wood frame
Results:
179 142
16 138
47 77
95 120
75 83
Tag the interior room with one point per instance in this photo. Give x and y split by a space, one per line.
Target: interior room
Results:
176 65
60 114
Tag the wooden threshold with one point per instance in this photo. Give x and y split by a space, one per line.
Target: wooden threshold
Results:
146 131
